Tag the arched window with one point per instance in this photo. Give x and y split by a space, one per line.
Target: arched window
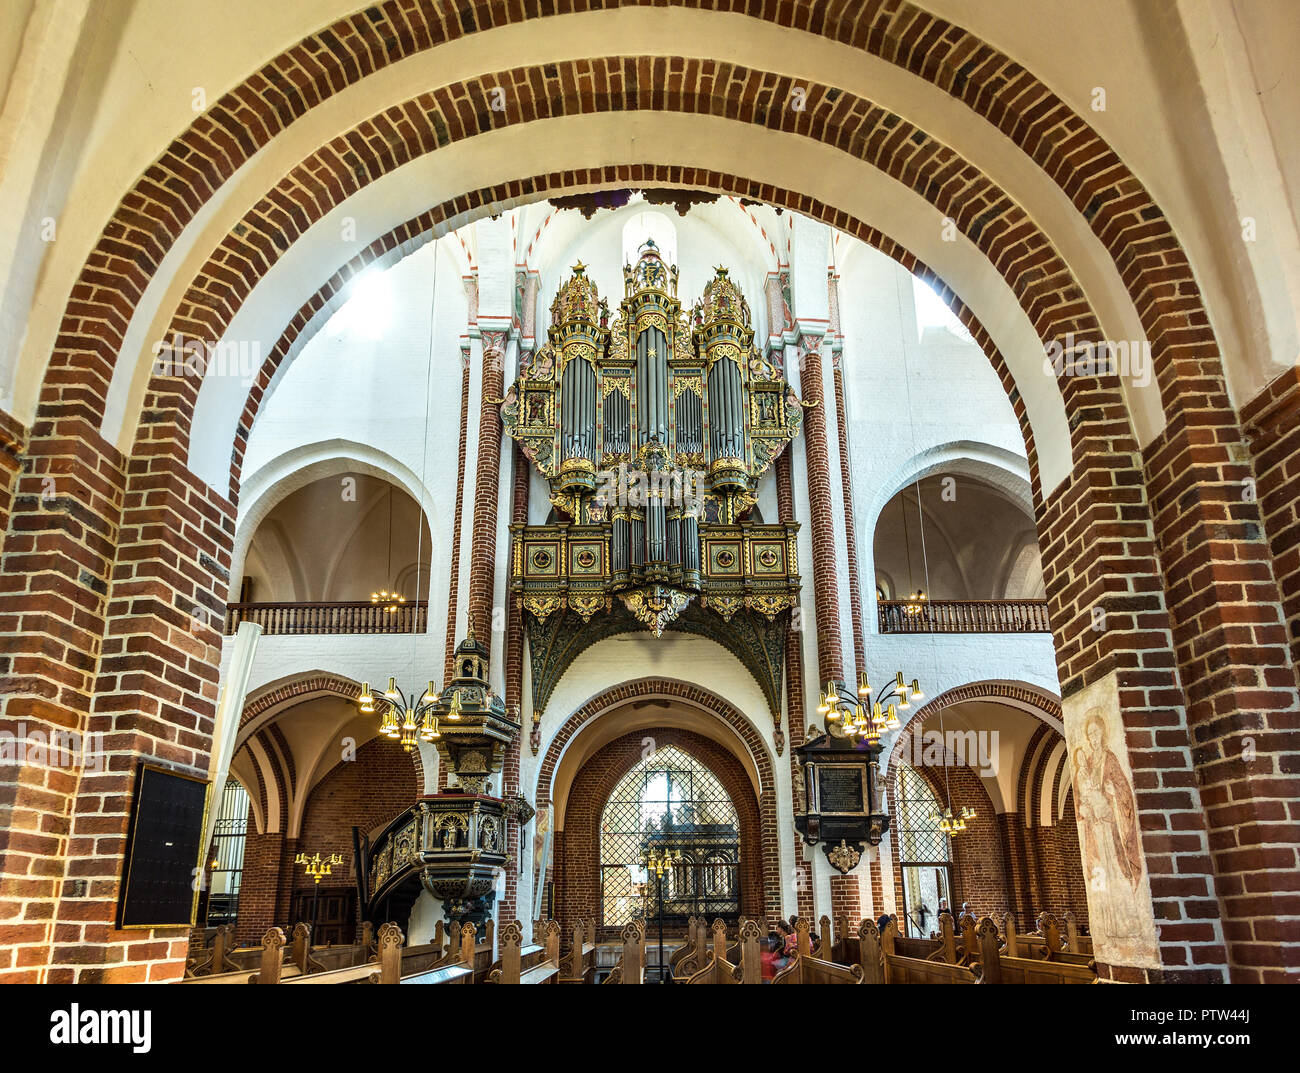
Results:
669 803
923 852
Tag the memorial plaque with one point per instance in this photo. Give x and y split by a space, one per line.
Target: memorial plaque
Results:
168 814
841 789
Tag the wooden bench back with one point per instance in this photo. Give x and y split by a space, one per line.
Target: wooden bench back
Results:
901 969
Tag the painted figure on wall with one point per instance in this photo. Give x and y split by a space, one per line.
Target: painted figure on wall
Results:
1121 917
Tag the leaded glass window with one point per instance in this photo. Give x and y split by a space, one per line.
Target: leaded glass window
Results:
923 852
227 864
669 803
916 812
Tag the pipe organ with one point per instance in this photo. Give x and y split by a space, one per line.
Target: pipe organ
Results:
652 429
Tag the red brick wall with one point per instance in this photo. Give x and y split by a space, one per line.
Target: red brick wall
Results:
577 852
1272 424
365 792
821 519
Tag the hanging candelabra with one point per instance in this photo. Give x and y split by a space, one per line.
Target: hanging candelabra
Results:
863 716
404 718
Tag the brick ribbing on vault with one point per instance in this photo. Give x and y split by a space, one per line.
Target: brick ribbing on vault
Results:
794 701
826 582
577 876
850 527
514 684
453 588
483 549
1112 201
720 708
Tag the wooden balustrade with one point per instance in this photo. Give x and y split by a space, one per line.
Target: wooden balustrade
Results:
964 616
351 616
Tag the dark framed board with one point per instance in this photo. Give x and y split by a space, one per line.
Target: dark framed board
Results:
842 789
163 848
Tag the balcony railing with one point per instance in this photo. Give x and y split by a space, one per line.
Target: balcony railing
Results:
964 616
353 616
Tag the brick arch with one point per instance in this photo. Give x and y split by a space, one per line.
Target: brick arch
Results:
715 706
247 118
864 131
1003 862
1043 705
1100 533
300 687
640 689
577 849
303 687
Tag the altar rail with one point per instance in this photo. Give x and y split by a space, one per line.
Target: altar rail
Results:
964 616
350 616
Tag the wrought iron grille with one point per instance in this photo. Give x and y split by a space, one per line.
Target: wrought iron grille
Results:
228 854
916 812
670 803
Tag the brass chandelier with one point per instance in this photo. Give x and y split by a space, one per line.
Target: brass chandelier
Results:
863 717
404 718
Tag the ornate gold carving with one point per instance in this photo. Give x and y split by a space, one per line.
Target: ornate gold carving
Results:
726 606
541 606
587 604
687 382
651 318
844 858
621 384
771 606
656 606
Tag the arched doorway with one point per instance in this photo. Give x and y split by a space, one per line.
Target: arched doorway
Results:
670 804
637 781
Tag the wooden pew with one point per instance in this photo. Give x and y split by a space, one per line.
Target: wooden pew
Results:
512 969
1074 942
719 968
580 961
1045 944
630 968
901 969
456 968
1057 949
212 960
844 948
870 958
996 967
270 966
805 968
690 957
